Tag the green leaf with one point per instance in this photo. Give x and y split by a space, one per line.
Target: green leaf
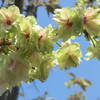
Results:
54 1
50 7
70 83
71 74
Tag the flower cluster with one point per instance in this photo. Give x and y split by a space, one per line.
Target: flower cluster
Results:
69 21
92 21
69 55
25 49
74 21
94 51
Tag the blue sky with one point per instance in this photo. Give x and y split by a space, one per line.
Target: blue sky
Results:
55 83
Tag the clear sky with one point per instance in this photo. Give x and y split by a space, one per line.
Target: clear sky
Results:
55 83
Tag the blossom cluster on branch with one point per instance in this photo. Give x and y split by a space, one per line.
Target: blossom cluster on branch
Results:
27 50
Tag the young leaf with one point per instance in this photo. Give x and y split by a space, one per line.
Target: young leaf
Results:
71 74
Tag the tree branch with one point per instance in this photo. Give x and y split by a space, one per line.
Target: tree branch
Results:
32 8
13 95
19 4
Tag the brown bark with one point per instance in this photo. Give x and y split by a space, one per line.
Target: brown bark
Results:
13 95
19 4
32 8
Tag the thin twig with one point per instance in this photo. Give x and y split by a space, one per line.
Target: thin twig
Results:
58 44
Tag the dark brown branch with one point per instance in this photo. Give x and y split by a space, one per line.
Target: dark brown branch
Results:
19 4
32 8
13 95
86 33
5 44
